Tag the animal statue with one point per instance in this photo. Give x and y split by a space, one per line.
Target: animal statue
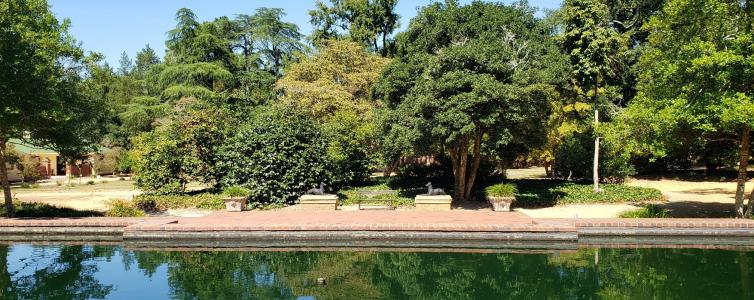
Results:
434 192
315 191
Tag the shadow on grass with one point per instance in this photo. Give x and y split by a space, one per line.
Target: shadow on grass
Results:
42 210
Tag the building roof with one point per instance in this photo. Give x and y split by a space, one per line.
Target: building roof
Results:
25 148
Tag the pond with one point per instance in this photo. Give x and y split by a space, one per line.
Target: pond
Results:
85 272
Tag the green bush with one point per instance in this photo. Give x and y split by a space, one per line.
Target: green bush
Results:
156 202
277 154
236 192
574 157
647 211
501 190
123 208
157 163
349 140
90 182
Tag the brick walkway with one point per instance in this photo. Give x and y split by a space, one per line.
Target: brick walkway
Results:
457 220
462 221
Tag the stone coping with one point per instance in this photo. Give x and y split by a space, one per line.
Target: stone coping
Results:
434 221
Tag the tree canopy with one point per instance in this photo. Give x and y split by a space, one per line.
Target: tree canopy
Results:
41 70
483 86
695 81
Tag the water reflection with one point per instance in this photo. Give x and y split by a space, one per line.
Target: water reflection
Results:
86 272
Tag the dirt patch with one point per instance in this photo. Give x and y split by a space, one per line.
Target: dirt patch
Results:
79 196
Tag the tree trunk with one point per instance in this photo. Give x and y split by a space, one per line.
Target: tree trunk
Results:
743 165
454 162
384 44
596 166
10 211
474 166
463 159
749 208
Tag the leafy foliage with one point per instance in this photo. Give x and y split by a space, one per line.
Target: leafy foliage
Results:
42 100
236 192
501 190
535 192
122 208
480 90
277 153
158 203
647 211
368 22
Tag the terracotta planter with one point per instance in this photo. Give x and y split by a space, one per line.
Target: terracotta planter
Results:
234 203
501 203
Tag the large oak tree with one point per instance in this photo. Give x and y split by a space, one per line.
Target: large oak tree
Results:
470 80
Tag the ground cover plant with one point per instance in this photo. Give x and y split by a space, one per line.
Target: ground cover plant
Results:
401 190
123 208
42 210
159 203
501 190
545 192
647 211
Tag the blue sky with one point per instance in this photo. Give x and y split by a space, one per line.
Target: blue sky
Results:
111 27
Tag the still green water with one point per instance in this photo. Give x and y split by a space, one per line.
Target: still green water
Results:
110 272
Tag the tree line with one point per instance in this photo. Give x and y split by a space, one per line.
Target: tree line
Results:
597 89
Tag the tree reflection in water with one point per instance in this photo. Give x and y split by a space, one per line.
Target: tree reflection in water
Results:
68 272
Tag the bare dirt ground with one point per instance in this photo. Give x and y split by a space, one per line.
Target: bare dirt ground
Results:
80 196
686 198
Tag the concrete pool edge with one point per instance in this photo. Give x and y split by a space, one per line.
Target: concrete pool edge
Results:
370 230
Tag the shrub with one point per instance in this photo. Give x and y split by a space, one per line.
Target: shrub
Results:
501 190
235 192
90 182
350 137
30 171
574 157
59 182
25 185
156 202
123 208
647 211
157 164
277 154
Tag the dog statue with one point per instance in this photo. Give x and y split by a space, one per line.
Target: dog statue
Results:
315 191
434 192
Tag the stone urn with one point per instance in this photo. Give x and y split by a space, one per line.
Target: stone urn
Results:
501 203
234 203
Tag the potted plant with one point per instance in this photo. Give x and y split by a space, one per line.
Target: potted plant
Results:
235 198
501 196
